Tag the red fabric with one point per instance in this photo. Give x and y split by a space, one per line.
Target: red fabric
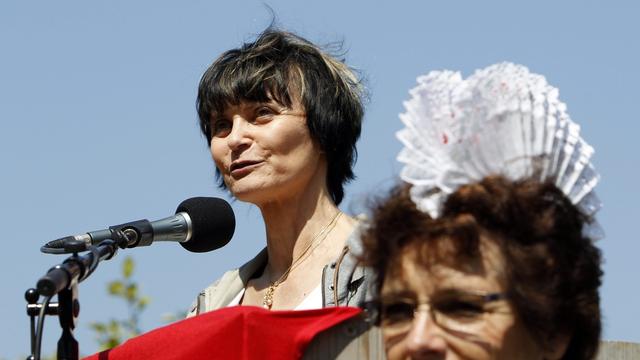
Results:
239 332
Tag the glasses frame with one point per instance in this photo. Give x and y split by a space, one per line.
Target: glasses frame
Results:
376 309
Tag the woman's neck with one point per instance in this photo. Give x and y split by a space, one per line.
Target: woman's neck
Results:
293 223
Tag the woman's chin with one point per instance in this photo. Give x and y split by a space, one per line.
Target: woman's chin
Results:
252 194
256 190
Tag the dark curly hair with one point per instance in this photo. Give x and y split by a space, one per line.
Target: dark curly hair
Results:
280 66
552 271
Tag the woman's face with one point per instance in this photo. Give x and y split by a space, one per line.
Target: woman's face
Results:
466 315
264 151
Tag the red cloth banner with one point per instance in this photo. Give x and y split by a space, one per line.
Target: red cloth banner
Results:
239 332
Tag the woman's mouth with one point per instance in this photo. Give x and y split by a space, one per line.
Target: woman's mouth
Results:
240 169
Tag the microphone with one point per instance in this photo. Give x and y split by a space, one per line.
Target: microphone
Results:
201 224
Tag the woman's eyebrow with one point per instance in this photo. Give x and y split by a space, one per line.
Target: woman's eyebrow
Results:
453 291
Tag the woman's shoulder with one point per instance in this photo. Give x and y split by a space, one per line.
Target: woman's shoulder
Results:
346 281
354 241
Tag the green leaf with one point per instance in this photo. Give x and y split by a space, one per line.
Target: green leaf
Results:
111 343
99 327
131 292
127 267
114 326
115 287
143 302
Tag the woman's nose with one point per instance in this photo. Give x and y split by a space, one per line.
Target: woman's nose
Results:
238 137
425 339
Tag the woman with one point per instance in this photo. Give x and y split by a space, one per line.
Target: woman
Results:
505 273
282 119
487 257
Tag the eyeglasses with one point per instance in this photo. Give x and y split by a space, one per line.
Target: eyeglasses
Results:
456 311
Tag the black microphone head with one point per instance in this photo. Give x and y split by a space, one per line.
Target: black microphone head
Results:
212 220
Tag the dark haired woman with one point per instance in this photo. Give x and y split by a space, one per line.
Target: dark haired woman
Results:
282 118
487 253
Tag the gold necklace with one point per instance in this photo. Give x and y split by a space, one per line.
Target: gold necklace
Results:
267 300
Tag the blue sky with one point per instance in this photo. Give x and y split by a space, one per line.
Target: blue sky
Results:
98 124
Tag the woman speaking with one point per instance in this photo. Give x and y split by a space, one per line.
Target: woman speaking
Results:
282 118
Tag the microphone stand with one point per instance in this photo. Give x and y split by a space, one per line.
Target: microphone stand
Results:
69 308
63 280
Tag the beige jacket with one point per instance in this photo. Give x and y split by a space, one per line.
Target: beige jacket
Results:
354 339
344 282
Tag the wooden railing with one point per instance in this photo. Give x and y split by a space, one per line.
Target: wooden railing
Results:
618 350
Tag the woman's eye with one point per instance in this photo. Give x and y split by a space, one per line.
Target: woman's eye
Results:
397 312
265 111
459 309
220 127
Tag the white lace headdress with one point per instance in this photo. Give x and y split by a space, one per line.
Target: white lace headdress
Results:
502 120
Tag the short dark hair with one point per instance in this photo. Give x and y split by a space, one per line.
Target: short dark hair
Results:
553 272
273 66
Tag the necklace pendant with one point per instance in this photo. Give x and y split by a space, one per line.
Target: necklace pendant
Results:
267 300
267 303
